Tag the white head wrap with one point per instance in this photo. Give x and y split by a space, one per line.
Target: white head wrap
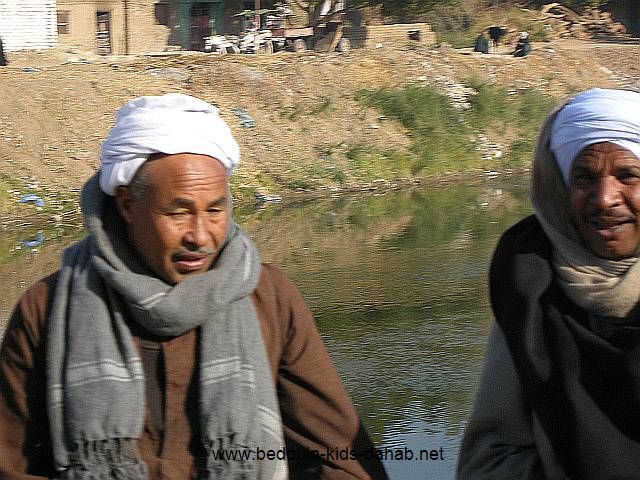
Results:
170 124
595 116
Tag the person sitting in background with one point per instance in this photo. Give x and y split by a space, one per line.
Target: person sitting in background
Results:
523 47
560 392
482 44
495 34
3 60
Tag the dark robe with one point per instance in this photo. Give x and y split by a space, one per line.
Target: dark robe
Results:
579 376
3 60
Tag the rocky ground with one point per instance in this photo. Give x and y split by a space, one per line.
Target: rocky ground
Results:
58 106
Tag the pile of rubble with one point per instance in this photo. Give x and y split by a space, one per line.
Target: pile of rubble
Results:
591 23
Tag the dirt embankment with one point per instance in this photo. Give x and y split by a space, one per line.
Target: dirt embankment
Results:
57 107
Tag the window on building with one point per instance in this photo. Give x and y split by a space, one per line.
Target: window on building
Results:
161 11
63 21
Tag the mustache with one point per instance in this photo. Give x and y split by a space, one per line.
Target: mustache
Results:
611 214
607 217
202 252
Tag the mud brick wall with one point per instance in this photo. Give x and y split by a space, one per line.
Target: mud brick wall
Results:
397 34
144 33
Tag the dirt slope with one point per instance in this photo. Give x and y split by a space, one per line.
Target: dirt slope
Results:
56 107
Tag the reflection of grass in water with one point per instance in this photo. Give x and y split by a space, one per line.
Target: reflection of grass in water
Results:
441 214
362 257
428 354
369 211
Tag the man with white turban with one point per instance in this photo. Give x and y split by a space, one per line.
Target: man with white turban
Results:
560 392
163 348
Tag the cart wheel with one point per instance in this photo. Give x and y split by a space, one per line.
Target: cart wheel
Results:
266 48
299 45
344 45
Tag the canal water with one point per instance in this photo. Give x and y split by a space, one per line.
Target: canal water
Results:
398 286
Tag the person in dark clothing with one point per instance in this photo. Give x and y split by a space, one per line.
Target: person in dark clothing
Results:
523 47
495 34
482 44
560 390
3 59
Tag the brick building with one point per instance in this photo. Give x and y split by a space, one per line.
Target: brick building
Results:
119 27
137 26
111 26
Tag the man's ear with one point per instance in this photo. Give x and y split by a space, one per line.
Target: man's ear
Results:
124 202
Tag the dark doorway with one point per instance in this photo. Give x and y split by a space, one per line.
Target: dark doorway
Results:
103 34
202 25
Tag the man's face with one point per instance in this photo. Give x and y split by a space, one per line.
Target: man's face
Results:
181 221
605 200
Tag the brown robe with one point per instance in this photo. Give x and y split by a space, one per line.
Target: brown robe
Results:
316 411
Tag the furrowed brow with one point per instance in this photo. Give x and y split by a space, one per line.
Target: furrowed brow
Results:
181 203
219 202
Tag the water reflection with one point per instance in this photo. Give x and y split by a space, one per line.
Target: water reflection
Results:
398 286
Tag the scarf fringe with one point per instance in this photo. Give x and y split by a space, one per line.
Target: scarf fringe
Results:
110 459
224 459
100 277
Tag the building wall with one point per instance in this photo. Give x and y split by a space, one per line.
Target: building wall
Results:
28 24
144 34
83 24
367 36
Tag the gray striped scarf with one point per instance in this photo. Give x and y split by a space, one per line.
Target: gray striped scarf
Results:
95 377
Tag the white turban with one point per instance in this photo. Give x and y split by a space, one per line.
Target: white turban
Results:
170 124
595 116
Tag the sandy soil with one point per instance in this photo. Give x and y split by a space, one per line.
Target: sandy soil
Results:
58 106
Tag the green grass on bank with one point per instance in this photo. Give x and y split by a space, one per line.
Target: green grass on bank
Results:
8 201
5 197
443 137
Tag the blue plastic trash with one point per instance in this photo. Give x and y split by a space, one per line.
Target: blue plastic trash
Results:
33 242
30 197
246 120
262 198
